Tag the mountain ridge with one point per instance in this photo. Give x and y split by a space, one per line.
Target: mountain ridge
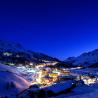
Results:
85 59
12 52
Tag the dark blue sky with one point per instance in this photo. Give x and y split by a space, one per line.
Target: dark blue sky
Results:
59 28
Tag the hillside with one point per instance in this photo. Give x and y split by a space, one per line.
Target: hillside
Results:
85 59
11 83
14 54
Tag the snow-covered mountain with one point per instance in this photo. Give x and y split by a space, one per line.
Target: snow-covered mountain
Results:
85 59
11 83
11 52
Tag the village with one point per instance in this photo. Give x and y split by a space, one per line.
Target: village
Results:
46 74
64 80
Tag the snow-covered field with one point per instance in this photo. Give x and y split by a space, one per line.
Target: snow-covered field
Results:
82 92
11 83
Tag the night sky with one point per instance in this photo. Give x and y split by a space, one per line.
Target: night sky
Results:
59 28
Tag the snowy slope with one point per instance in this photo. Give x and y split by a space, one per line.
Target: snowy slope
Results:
8 68
88 95
11 83
56 88
83 91
85 59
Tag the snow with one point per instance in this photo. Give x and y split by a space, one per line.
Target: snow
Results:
60 86
28 73
8 68
82 92
85 59
6 77
88 95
